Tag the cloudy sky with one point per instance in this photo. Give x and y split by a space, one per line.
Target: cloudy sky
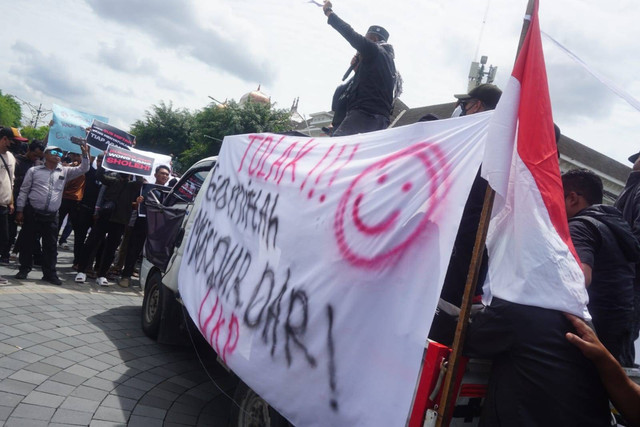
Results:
118 57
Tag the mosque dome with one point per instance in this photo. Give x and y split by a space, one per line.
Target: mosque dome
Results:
255 96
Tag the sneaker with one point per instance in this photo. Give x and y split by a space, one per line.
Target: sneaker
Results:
54 280
5 261
21 275
3 281
63 246
81 278
102 281
124 282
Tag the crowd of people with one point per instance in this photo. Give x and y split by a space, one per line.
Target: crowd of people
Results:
43 188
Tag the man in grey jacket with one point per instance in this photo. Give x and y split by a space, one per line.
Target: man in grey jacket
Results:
37 209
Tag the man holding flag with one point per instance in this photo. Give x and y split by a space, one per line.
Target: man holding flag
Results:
534 272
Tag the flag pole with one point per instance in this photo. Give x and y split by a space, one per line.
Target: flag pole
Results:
447 400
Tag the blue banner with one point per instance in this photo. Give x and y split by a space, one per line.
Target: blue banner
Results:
68 123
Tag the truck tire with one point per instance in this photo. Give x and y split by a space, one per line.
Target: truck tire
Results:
152 306
250 410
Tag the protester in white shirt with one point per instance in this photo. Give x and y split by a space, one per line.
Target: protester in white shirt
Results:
37 208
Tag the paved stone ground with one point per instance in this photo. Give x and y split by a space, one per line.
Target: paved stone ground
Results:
76 355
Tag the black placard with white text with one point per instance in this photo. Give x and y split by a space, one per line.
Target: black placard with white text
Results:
118 159
101 135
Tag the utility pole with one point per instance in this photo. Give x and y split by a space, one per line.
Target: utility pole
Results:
38 112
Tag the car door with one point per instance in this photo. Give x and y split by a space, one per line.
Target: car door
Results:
166 216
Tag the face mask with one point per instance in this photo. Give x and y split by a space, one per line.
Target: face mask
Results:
457 112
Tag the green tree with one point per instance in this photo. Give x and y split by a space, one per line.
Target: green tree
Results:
215 122
10 111
164 129
34 133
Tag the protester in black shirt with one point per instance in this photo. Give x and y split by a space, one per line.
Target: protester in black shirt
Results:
84 219
369 98
608 252
482 98
629 204
114 215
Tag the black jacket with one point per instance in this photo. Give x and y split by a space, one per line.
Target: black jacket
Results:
629 204
122 193
604 241
375 78
92 187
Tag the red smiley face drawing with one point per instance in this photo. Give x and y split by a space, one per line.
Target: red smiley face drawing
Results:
389 205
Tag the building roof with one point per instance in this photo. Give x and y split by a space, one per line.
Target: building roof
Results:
412 115
569 148
591 159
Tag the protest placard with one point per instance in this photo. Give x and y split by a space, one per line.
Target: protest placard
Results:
314 267
101 135
189 188
69 123
119 159
158 160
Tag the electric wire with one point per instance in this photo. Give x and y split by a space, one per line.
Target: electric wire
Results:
195 349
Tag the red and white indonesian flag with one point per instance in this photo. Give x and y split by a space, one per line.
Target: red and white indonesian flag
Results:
532 260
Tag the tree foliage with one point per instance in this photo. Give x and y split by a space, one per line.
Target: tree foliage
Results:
164 129
34 133
10 111
214 122
193 136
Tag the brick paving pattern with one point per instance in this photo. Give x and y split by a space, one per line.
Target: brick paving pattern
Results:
76 355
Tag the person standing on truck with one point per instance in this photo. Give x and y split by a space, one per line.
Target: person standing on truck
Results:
482 98
537 377
608 254
370 94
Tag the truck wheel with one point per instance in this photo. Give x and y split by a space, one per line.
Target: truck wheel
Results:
152 306
250 410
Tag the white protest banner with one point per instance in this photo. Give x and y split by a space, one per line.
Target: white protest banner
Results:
314 266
